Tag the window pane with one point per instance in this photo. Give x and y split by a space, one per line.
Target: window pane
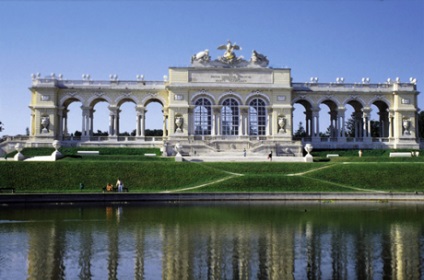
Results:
257 117
202 117
230 117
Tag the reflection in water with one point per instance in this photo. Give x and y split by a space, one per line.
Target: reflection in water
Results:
214 241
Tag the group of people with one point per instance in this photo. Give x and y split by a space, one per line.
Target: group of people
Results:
119 185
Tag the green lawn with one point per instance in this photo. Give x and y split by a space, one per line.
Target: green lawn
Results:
155 174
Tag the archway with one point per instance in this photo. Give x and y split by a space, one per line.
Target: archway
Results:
354 126
302 119
127 118
72 118
329 125
99 114
379 119
155 120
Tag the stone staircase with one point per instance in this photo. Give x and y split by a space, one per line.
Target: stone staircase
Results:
238 156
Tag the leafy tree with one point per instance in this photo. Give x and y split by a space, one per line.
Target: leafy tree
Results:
1 127
153 132
101 133
350 126
300 132
327 133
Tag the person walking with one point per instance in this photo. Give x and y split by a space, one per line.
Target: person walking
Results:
270 156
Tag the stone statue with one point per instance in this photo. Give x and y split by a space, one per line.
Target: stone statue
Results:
45 123
259 59
229 55
202 56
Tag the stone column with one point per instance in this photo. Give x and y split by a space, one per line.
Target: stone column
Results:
117 122
341 122
391 125
140 121
85 121
384 123
65 122
112 121
91 116
60 128
164 125
190 125
366 122
240 123
218 122
315 123
213 125
334 126
268 123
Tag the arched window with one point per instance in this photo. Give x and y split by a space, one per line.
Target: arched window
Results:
230 117
202 117
257 117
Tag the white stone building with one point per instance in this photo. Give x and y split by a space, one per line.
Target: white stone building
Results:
227 105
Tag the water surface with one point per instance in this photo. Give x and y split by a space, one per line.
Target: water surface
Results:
272 240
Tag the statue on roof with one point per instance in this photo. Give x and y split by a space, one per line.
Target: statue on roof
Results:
259 59
229 55
229 59
202 56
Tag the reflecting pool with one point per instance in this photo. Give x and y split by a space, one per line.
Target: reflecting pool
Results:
272 240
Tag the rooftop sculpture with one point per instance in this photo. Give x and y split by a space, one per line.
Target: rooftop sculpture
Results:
229 59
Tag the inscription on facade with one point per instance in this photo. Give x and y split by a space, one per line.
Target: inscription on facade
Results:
406 101
231 77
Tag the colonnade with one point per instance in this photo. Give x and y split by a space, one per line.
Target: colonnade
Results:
362 123
87 127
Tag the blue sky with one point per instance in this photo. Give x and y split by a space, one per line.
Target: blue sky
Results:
326 39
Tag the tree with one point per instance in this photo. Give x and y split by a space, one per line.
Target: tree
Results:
327 133
1 127
300 132
100 133
350 126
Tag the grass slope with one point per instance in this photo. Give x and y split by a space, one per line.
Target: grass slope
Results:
156 174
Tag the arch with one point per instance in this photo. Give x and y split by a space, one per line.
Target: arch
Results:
200 94
202 116
380 99
380 126
126 98
305 127
303 100
328 100
356 104
153 97
329 124
230 94
255 94
71 119
354 118
68 99
354 98
93 100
